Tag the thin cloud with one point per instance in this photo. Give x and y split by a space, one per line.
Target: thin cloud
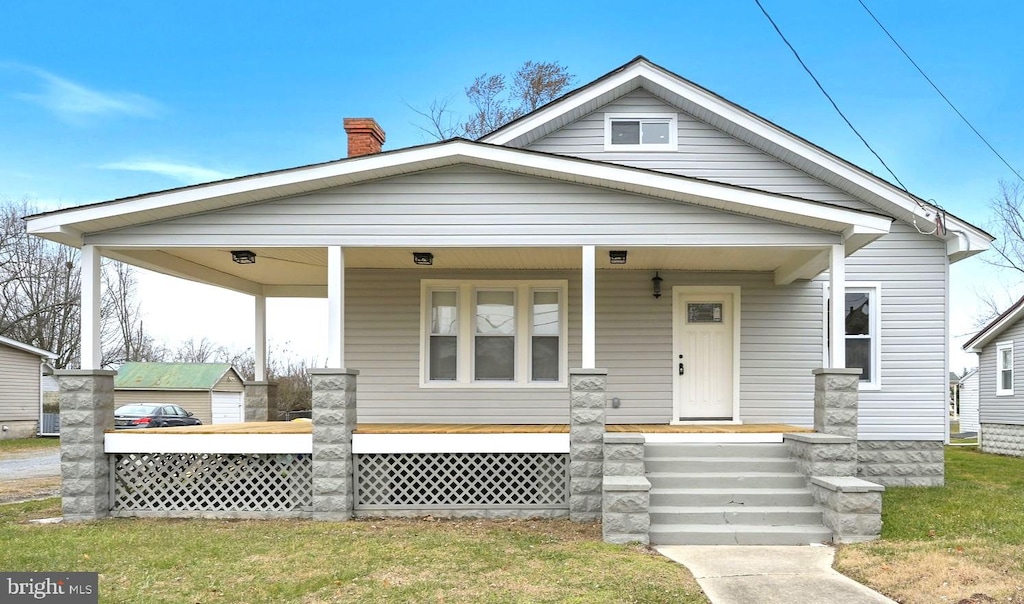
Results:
183 173
74 102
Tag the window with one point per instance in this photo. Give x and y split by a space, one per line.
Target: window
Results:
640 132
494 333
863 332
1004 369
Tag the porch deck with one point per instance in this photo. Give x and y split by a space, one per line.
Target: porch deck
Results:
301 427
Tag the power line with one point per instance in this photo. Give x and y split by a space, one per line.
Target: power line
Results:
829 97
944 97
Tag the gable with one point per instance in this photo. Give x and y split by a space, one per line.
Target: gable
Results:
462 206
704 152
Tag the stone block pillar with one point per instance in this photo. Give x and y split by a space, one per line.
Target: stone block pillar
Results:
851 507
261 402
835 401
86 413
334 421
626 501
586 442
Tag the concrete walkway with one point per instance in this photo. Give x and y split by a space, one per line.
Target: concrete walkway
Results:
748 574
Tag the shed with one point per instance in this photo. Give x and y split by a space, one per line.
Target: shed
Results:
212 391
21 369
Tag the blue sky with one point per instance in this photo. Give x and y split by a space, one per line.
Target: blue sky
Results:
103 100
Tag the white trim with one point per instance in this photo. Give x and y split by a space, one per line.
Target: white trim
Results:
176 203
26 348
837 326
963 239
260 339
90 345
1001 346
679 291
713 437
672 119
589 334
460 443
335 307
523 291
874 290
127 442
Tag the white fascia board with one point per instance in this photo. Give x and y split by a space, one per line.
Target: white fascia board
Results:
126 442
994 330
39 352
460 443
976 240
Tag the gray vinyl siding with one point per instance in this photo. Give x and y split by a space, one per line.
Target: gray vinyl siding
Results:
19 385
198 402
911 268
969 404
229 383
994 409
634 342
467 205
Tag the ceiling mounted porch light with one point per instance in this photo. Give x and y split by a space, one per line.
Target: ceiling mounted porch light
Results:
243 256
423 258
617 257
656 280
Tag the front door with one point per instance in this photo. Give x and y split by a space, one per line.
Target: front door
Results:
705 339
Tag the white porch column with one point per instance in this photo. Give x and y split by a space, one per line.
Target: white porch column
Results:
260 347
589 304
335 307
91 354
837 307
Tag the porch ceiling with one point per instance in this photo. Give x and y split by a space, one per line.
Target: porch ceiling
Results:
302 271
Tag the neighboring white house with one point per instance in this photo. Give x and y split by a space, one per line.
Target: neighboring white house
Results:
969 401
707 258
21 369
999 345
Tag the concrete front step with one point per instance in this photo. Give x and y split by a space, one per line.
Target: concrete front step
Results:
719 465
753 450
695 534
731 480
769 515
736 497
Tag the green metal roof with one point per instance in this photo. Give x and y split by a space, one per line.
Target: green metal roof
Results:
170 376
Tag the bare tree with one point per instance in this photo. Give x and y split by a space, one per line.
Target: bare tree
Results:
123 334
1008 227
495 103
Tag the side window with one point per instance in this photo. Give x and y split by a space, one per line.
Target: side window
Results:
1004 369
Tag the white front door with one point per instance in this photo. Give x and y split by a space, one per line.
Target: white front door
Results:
226 407
705 336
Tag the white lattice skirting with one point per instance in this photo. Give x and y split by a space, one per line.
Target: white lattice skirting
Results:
429 481
252 485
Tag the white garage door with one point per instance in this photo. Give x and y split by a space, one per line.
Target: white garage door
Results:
227 408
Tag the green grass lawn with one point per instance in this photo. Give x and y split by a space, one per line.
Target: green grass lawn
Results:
952 543
27 444
361 561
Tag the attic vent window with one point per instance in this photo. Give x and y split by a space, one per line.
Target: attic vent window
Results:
640 132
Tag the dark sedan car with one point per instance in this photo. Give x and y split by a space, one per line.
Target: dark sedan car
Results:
145 415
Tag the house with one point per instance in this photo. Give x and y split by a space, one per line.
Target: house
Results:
1000 393
969 397
640 254
21 370
211 391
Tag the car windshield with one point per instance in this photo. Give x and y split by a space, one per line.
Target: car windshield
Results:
135 410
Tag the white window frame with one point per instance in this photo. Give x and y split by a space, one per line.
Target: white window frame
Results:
874 291
673 131
466 339
1000 347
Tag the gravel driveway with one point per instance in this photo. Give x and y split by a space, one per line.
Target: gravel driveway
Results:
29 475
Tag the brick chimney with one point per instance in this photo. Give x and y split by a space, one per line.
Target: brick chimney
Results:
364 136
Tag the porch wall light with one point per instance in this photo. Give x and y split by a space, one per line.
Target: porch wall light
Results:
617 257
423 258
656 280
243 256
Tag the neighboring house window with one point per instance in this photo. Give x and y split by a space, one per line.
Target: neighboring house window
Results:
640 132
494 333
1004 369
863 332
